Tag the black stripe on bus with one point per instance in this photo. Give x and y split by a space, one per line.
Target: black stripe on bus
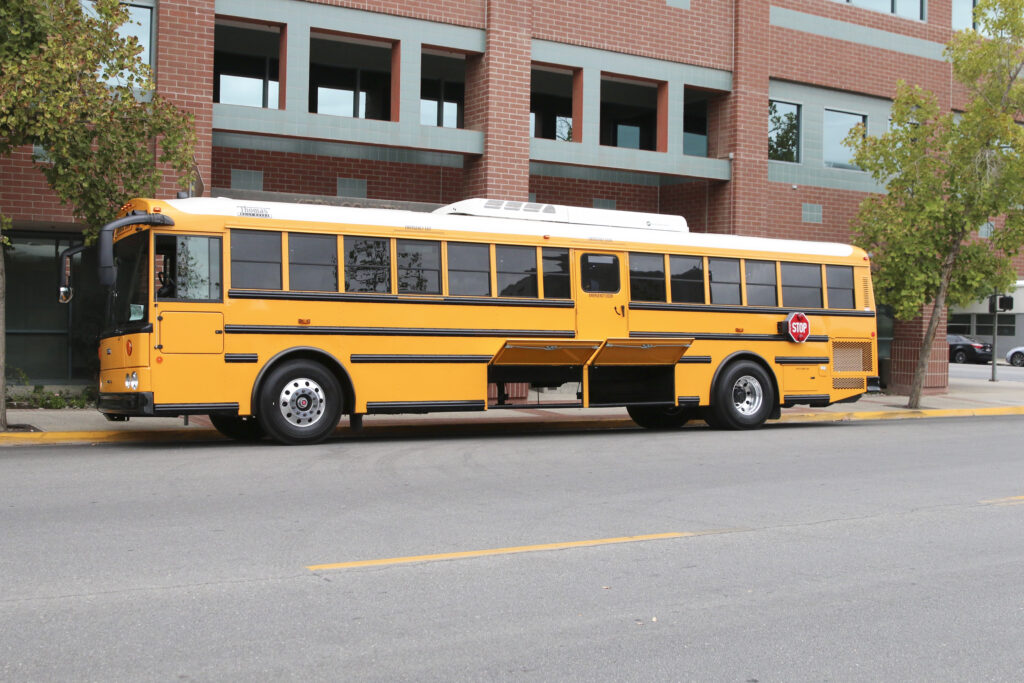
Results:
723 336
194 408
397 299
809 399
801 360
705 360
763 310
410 358
394 407
689 400
241 358
393 331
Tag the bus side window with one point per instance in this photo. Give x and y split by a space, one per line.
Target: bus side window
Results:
724 274
188 267
469 269
599 272
517 271
761 289
419 267
840 286
367 264
801 285
647 277
687 276
255 259
556 273
312 262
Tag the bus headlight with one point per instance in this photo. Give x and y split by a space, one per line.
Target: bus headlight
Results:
131 382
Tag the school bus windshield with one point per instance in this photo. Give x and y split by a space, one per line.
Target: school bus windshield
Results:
130 296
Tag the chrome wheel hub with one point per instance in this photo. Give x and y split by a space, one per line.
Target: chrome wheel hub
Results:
747 395
302 402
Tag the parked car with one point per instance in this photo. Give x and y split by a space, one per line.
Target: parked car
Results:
1015 356
967 350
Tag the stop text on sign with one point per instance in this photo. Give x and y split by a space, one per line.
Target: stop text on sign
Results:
797 327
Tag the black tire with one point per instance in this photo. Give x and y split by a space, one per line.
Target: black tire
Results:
659 417
238 428
300 403
960 357
743 397
1017 359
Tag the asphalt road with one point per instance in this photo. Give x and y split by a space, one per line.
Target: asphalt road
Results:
843 552
1004 372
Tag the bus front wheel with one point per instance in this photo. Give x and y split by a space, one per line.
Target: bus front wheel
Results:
237 427
300 403
743 397
659 417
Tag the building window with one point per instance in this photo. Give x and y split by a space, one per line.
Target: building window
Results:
783 131
255 259
349 77
442 90
801 285
246 63
600 203
367 264
551 99
419 267
695 123
139 26
687 279
517 271
243 179
1007 325
837 126
963 16
761 286
724 276
556 273
629 113
910 9
811 213
469 269
647 277
187 267
959 323
313 263
840 286
599 272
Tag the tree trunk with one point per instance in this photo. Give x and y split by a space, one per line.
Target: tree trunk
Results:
3 338
914 401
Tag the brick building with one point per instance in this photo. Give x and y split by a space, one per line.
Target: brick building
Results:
729 112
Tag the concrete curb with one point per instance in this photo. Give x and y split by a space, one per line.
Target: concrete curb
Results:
544 424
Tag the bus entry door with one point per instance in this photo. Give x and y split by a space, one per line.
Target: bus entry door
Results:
601 302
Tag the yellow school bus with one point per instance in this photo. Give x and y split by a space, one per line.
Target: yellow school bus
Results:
278 319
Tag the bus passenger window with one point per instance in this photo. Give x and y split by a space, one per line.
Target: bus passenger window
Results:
517 271
724 274
599 272
556 273
367 264
255 259
419 267
187 267
313 263
469 269
647 277
801 285
687 275
761 290
840 286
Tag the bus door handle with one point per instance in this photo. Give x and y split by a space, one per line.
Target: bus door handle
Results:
620 310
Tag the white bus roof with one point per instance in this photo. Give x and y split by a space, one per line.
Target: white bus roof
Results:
492 216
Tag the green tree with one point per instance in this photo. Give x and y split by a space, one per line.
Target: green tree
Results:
946 174
72 84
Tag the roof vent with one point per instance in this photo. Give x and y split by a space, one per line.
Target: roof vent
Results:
499 208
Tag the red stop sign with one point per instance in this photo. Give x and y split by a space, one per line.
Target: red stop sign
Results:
797 327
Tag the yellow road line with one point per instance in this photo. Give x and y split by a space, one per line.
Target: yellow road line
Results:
1012 500
500 551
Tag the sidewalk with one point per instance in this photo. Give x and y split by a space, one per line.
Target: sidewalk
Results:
966 397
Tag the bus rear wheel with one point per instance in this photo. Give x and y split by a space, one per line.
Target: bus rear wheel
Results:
744 397
238 427
659 417
300 403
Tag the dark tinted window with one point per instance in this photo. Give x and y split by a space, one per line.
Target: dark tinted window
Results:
840 286
761 289
469 269
687 273
556 273
724 274
367 264
255 259
517 271
801 285
313 262
647 277
599 272
419 267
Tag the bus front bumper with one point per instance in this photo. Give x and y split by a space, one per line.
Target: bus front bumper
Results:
137 403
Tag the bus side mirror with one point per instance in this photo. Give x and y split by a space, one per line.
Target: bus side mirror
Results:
64 290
